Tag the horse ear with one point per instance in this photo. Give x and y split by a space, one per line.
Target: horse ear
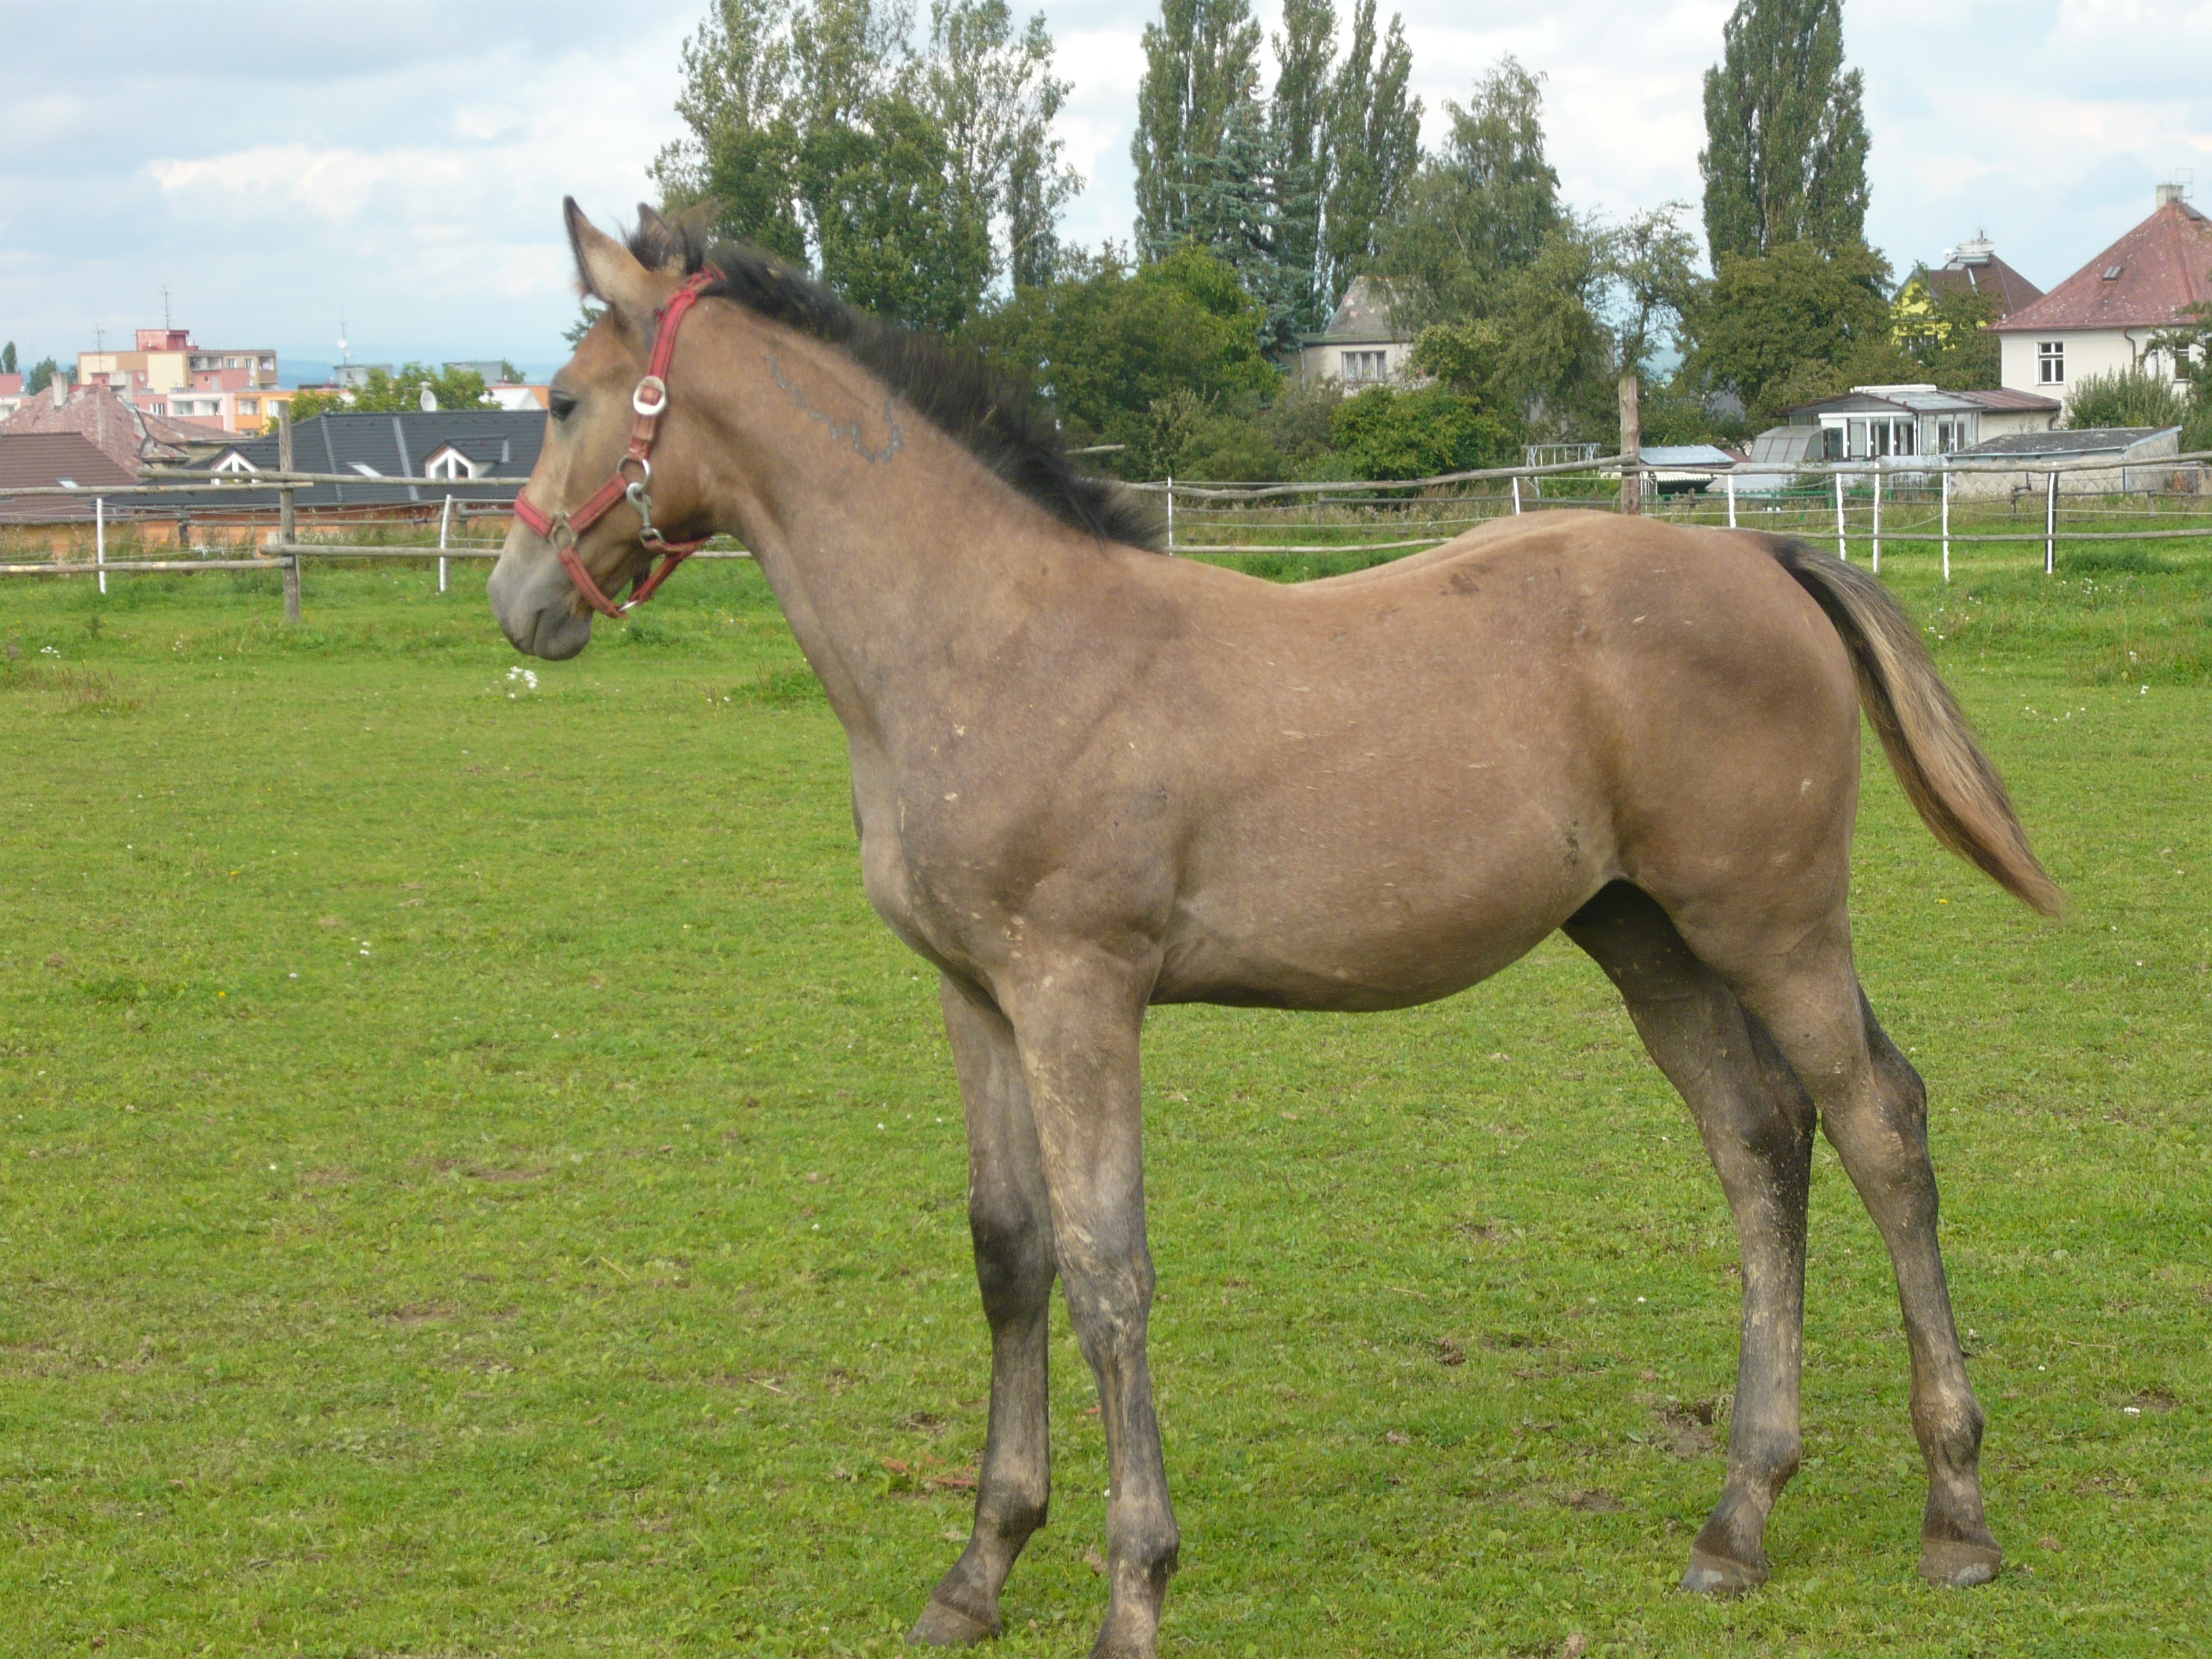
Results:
659 241
606 270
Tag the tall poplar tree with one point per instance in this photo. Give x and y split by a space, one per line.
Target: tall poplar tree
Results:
1202 60
1374 147
1297 114
1786 138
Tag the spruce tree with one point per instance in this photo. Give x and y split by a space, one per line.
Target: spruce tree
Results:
1786 138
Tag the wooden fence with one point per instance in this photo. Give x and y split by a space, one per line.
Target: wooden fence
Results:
1844 500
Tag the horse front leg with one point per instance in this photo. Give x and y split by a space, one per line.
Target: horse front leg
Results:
1078 1024
1009 1217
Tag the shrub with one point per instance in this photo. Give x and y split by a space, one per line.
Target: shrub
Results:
1383 432
2127 396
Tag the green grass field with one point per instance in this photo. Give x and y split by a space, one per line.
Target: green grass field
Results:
476 1179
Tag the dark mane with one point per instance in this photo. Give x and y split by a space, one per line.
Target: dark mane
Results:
998 420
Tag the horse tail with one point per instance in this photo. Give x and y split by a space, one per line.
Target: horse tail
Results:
1949 781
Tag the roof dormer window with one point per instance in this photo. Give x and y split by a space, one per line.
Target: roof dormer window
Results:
449 463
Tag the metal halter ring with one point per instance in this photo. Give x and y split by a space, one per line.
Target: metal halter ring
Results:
655 384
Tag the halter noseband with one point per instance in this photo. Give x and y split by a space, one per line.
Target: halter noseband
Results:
649 402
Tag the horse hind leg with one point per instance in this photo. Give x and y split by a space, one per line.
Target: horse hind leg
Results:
1010 1219
1874 1109
1756 1124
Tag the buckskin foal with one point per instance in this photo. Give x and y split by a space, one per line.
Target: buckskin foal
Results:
1088 779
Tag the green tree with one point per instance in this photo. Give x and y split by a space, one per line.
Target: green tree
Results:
1480 207
1946 331
1786 138
911 183
7 358
2188 347
894 235
457 388
1202 61
1373 149
41 375
1770 326
1652 262
993 93
1105 343
1297 116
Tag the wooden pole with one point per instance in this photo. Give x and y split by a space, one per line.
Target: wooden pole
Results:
1632 448
2051 522
1842 552
287 529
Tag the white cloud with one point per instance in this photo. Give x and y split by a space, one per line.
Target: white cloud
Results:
405 159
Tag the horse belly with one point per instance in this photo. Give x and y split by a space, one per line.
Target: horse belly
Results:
1357 918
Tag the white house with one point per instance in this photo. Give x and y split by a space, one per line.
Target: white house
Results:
2101 319
1362 346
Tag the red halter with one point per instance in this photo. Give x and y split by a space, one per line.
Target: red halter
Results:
650 402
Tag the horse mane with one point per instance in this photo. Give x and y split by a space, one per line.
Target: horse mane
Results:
998 420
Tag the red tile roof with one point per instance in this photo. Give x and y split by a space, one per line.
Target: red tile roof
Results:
129 435
43 459
2158 269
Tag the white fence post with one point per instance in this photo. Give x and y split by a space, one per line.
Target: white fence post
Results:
1842 552
99 537
1516 494
1728 481
1944 476
1877 519
1171 515
2051 522
445 519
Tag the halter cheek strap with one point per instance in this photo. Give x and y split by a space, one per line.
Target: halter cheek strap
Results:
633 475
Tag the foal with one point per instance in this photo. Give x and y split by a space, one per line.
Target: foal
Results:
1088 779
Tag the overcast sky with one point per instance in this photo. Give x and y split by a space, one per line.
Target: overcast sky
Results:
401 164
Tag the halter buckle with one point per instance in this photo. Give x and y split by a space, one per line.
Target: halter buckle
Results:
654 385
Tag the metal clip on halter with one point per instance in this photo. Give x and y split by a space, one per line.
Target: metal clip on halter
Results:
649 402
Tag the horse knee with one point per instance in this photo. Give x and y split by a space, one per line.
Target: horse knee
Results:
1013 1255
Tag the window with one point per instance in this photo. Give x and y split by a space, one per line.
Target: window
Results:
1832 443
450 463
249 405
2051 361
1366 365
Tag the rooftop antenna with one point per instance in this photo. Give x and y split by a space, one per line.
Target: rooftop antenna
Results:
98 339
165 324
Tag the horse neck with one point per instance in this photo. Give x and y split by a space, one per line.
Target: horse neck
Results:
893 552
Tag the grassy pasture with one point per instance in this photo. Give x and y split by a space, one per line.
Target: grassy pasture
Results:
475 1178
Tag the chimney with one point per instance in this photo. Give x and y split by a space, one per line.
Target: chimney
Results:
2168 193
60 388
2177 188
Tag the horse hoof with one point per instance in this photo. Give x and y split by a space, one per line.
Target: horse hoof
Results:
1958 1565
943 1626
1715 1575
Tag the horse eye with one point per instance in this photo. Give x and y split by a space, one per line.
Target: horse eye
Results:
561 404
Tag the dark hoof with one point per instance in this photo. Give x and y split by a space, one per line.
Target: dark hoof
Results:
1959 1564
943 1626
1715 1575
